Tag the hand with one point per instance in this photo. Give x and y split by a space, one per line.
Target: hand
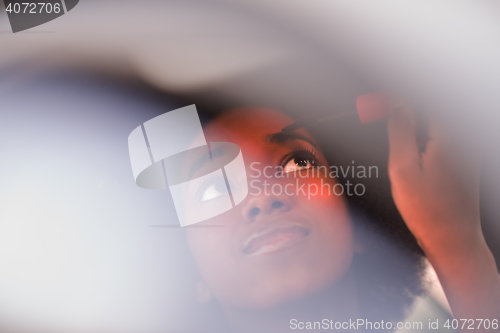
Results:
436 190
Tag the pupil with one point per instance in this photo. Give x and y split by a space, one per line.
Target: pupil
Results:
221 187
301 162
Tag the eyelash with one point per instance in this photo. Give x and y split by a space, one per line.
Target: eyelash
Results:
301 152
205 186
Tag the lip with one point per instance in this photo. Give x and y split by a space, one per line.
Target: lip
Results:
276 236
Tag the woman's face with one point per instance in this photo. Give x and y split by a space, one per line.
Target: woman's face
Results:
273 247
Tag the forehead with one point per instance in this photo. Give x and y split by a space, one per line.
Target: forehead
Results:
246 125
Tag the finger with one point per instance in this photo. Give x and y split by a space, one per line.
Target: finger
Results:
455 146
437 133
403 147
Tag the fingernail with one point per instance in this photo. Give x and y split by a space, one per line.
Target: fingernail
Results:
373 107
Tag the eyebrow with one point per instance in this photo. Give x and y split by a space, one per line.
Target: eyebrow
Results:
218 152
282 137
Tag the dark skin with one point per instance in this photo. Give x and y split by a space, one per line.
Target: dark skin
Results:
437 193
282 268
292 274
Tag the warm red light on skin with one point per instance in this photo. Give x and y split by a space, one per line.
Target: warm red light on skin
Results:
440 207
437 193
315 263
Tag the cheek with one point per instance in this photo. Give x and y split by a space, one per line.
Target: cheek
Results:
211 239
211 242
334 236
322 197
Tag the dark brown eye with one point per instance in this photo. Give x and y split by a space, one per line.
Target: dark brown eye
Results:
297 163
301 161
211 191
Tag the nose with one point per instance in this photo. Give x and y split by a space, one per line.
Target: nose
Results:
263 205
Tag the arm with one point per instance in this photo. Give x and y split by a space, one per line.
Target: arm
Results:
437 193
